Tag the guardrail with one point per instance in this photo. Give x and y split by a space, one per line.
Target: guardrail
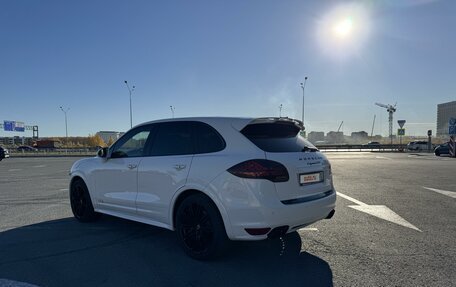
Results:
53 152
327 148
360 147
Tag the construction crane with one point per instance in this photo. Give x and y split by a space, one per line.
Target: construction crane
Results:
373 123
390 109
340 126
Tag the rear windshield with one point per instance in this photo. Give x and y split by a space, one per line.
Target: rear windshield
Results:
277 137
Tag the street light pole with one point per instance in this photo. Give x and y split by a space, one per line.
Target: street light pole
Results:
280 111
130 91
303 86
172 110
66 122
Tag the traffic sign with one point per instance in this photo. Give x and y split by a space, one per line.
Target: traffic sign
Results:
452 126
452 130
401 132
452 121
8 126
401 123
12 126
19 127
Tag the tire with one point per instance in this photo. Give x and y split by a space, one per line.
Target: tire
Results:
437 153
81 204
200 229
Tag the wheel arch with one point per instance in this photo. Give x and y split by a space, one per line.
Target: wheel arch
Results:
76 177
179 198
79 176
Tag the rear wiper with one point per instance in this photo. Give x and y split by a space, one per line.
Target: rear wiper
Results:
311 149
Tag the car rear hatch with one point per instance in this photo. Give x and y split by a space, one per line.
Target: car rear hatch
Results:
308 169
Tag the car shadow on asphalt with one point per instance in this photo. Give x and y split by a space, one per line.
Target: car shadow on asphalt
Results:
117 252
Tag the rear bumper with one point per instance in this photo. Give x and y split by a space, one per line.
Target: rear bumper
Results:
255 204
295 216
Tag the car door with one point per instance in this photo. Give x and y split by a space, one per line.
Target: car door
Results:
164 171
116 180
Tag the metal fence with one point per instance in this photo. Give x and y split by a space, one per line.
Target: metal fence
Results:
82 152
359 147
53 152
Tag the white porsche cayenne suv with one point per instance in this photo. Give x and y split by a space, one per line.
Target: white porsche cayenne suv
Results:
209 179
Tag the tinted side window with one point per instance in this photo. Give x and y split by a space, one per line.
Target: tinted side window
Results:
132 144
173 138
207 139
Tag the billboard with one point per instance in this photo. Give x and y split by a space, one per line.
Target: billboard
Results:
12 126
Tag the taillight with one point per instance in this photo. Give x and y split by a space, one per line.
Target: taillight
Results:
261 169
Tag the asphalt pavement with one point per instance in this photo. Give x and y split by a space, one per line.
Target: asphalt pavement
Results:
395 225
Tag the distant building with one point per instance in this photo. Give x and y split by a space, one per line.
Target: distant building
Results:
16 140
106 135
359 136
314 137
445 111
335 137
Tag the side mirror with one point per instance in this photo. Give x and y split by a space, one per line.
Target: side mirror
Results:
103 152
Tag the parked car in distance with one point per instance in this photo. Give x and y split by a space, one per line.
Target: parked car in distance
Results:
26 148
442 149
417 145
209 179
372 144
321 143
3 153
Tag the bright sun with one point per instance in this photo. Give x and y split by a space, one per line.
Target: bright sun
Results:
343 28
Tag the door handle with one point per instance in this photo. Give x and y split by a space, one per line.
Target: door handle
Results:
179 166
132 166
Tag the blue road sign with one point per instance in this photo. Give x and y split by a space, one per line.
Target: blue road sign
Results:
452 122
19 127
452 130
452 126
12 126
8 126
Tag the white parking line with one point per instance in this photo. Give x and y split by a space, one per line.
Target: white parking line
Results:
305 230
308 229
444 192
383 157
63 189
38 166
350 199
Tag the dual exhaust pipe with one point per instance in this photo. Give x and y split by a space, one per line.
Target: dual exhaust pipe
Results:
281 230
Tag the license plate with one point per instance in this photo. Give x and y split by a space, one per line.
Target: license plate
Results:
310 178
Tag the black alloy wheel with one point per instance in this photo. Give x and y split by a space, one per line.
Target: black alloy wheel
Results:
81 205
200 227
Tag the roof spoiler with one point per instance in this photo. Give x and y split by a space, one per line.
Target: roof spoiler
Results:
296 122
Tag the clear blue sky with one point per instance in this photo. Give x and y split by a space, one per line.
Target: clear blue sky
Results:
225 58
